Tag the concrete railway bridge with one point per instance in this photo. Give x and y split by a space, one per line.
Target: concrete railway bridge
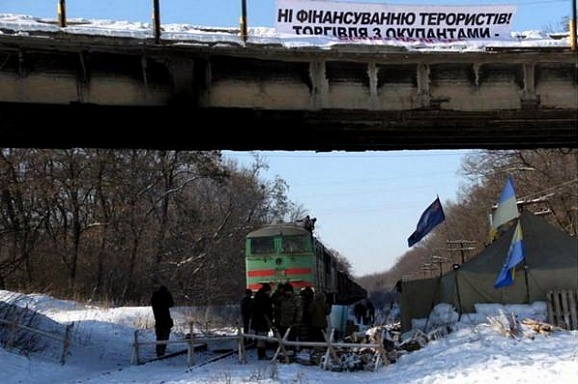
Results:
60 90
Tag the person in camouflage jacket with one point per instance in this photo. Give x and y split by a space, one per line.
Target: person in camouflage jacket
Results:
290 313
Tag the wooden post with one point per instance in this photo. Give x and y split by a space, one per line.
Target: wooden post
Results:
135 355
242 354
191 348
330 349
66 343
157 20
281 346
280 340
12 334
380 353
61 9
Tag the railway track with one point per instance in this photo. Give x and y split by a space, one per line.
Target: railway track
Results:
199 348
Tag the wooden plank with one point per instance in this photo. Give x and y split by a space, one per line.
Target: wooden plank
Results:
557 311
330 349
574 310
563 308
549 298
281 346
564 302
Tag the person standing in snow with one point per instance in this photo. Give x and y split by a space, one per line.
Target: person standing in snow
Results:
370 316
360 311
247 309
290 313
161 301
262 315
306 295
318 311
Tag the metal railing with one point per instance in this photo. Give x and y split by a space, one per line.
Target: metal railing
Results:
61 10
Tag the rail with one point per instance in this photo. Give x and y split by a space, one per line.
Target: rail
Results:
62 22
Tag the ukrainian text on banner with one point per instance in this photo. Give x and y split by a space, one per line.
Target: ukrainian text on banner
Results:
368 21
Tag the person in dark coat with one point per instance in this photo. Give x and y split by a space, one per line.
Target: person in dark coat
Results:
306 295
161 301
262 315
247 309
276 299
306 299
290 313
370 318
318 310
360 311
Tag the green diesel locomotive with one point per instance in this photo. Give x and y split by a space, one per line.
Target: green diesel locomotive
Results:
290 253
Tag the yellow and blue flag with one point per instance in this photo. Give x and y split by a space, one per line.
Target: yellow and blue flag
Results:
507 209
430 218
514 257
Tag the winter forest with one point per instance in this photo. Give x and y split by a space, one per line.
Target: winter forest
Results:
106 225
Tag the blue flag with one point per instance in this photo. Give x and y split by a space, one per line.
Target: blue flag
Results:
430 218
515 256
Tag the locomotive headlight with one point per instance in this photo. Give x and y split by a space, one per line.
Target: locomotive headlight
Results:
279 261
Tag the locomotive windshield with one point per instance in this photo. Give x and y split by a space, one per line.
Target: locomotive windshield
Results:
296 244
289 244
261 245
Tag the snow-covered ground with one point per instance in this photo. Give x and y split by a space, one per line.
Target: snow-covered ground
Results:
102 339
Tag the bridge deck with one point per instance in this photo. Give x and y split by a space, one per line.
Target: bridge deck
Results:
86 89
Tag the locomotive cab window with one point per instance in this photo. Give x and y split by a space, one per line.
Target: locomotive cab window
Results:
295 244
262 245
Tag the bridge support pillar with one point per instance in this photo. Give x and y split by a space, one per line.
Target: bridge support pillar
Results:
372 72
185 85
423 86
320 84
529 99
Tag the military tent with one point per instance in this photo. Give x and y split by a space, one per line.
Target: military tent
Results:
551 263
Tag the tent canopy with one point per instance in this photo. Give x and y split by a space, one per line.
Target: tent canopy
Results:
550 263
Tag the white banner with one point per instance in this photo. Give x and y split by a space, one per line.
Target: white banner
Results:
368 21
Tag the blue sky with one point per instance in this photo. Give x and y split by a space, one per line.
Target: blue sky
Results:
367 203
530 15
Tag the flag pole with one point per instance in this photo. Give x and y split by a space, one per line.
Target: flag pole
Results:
525 270
526 280
456 268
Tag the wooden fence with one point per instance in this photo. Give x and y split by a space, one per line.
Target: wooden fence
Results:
13 327
563 309
379 353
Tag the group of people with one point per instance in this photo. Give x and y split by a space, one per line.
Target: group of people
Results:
300 316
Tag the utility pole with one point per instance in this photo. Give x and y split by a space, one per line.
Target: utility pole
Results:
440 260
464 245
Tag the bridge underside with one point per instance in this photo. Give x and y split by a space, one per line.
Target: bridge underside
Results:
82 91
180 128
